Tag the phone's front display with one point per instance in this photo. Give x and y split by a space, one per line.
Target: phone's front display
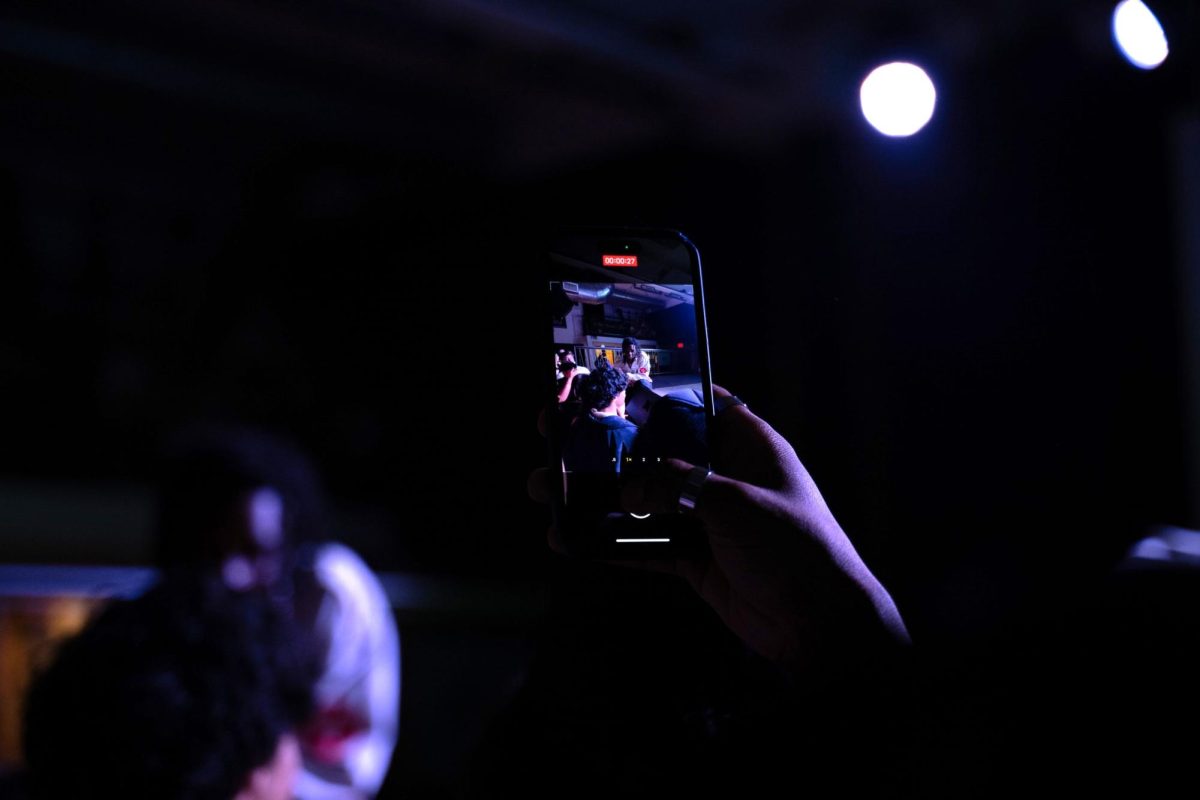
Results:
630 383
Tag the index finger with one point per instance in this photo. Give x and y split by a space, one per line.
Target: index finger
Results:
746 448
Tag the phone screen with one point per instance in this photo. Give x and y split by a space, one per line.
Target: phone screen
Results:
631 384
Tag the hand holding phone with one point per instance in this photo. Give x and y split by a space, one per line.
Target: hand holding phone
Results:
779 569
776 566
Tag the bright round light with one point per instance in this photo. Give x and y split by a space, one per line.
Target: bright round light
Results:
898 99
1139 35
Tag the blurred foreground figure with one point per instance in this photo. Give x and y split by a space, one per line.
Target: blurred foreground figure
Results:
190 692
244 506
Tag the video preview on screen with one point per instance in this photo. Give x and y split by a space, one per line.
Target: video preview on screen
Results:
620 351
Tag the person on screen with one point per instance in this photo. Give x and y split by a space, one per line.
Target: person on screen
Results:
564 356
633 362
570 376
601 437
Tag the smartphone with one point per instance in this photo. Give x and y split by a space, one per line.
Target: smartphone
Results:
631 383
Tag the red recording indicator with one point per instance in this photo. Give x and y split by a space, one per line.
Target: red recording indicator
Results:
618 261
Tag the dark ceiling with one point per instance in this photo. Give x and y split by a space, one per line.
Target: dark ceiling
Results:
510 87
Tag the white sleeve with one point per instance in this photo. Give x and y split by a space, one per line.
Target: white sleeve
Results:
361 673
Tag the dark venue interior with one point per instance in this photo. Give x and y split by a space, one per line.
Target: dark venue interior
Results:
324 218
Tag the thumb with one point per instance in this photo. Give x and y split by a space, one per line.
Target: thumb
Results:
658 492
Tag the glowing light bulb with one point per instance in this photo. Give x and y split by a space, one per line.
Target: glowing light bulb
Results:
1139 35
898 98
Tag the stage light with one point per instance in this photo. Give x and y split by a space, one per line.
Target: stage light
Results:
898 98
1138 34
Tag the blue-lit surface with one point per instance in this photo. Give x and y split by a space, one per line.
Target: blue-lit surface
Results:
405 592
28 580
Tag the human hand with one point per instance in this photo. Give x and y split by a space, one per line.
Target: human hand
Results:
779 570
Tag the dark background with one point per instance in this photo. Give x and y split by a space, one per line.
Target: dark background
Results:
322 217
